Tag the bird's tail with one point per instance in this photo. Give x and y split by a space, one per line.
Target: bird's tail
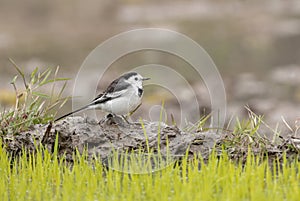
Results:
73 112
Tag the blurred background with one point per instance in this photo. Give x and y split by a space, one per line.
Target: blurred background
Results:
255 45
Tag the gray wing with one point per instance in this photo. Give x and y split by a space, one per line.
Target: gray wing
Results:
116 89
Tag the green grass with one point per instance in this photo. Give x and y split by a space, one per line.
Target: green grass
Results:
41 176
32 105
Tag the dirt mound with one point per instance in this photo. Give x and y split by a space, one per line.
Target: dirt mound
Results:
113 133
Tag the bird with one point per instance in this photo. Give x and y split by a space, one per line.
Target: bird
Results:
122 96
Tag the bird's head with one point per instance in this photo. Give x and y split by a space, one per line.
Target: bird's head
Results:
135 79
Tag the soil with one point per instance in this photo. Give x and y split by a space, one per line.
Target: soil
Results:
113 133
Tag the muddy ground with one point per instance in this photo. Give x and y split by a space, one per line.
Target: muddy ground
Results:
113 133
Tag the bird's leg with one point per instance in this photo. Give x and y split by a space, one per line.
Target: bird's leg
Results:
130 113
125 119
133 111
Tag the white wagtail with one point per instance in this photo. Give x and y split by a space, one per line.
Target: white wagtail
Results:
121 97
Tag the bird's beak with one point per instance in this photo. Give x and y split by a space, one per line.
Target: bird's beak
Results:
146 78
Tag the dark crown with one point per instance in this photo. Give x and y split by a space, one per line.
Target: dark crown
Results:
128 75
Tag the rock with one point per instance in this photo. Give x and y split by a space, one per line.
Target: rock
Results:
112 133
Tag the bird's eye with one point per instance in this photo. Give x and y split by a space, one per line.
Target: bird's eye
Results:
136 79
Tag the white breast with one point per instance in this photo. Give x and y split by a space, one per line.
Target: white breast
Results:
123 104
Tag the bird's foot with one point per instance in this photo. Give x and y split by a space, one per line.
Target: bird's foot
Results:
112 119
